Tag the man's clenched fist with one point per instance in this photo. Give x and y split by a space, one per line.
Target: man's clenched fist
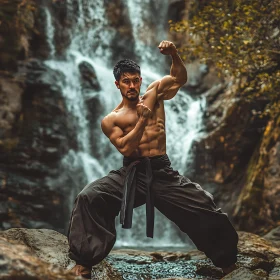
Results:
143 111
167 48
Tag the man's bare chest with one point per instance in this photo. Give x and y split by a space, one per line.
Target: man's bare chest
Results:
127 120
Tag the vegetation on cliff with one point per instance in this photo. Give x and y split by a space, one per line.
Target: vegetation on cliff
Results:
241 39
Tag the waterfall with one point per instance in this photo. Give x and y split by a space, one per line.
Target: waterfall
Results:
144 15
50 32
91 42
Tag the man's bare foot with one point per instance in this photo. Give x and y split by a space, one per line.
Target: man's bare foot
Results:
229 269
83 271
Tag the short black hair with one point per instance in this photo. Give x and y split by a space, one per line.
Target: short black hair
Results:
125 65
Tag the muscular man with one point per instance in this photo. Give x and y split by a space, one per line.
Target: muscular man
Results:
136 127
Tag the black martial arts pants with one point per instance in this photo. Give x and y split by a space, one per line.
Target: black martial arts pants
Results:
92 232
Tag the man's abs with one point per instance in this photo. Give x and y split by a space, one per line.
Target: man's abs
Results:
153 141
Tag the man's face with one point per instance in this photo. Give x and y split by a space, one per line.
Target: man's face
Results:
129 85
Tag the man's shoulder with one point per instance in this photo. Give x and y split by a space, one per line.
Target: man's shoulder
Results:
109 119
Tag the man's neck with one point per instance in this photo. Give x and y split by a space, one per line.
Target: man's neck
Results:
130 103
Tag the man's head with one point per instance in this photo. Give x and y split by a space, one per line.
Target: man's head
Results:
128 78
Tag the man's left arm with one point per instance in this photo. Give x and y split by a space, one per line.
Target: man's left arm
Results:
167 87
170 84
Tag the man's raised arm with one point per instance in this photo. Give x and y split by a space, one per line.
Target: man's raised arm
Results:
167 87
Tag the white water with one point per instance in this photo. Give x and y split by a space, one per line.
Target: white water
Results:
183 115
147 39
50 32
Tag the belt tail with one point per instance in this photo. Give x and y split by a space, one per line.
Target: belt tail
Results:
128 197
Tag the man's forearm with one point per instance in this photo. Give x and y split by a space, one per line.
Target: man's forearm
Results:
178 69
130 142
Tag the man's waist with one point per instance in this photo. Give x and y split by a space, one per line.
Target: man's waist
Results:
157 162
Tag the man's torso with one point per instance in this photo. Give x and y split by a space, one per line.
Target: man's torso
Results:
153 141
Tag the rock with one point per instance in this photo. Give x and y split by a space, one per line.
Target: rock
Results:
242 273
44 253
275 272
253 245
16 32
119 21
32 143
260 192
19 262
40 254
88 75
274 236
222 156
48 245
11 91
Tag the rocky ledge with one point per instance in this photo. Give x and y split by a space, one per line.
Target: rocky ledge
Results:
42 254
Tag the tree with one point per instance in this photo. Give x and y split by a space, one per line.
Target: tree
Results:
241 38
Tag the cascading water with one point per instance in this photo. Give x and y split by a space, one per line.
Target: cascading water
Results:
183 114
50 32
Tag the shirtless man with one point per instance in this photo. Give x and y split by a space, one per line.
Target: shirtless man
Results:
137 129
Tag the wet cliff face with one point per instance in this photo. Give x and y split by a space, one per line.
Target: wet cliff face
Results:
35 127
238 159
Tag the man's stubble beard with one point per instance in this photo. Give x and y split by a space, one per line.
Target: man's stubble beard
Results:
131 98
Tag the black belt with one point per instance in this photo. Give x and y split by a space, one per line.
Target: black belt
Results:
130 185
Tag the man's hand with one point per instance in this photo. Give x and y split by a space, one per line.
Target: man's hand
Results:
167 48
143 111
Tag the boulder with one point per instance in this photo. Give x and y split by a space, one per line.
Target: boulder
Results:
42 253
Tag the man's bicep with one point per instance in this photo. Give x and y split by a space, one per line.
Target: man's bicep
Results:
163 89
113 132
150 97
116 137
168 87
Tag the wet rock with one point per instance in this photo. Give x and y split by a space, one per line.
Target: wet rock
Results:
40 254
18 262
256 259
35 250
53 30
242 273
253 245
31 148
118 18
275 272
260 272
260 193
274 236
62 24
176 10
48 245
11 91
16 30
88 75
222 156
206 268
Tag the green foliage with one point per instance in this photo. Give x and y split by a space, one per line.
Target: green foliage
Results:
241 39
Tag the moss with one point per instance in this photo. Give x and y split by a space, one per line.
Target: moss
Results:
9 144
